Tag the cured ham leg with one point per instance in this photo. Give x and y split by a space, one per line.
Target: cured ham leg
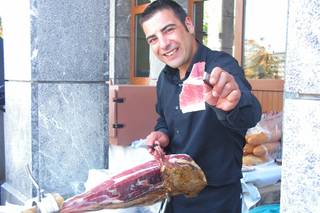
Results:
144 184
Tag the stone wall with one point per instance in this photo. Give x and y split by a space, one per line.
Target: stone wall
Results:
56 66
119 35
300 189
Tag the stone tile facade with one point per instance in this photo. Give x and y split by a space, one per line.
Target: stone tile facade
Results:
300 190
56 95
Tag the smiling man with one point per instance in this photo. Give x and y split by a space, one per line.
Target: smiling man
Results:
213 137
171 40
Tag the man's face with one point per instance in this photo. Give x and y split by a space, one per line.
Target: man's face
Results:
169 39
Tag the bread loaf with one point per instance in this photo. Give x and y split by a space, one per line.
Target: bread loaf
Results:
248 149
266 149
252 160
258 138
267 130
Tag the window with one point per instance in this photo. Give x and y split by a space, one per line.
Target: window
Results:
243 28
247 30
264 38
139 48
254 35
268 89
139 2
196 12
214 23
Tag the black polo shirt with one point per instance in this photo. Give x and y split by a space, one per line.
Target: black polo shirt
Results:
212 137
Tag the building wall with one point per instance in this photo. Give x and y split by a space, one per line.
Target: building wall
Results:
300 190
56 68
57 63
119 41
2 164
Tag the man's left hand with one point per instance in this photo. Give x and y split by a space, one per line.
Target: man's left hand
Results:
224 93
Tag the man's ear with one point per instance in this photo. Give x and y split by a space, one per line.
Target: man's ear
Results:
189 24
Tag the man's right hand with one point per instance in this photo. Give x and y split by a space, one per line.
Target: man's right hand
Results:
156 138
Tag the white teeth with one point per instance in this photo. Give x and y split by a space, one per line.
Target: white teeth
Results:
170 53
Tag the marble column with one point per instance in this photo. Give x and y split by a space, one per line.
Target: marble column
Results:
227 37
119 26
56 66
300 188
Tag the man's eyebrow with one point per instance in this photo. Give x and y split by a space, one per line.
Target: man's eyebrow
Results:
162 30
150 36
167 26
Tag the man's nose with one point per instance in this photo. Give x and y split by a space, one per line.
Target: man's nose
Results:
164 42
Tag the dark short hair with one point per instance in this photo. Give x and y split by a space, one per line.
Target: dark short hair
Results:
159 5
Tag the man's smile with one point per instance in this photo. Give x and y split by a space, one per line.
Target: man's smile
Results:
171 52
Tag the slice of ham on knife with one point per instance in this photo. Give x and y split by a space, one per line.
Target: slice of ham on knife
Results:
191 98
